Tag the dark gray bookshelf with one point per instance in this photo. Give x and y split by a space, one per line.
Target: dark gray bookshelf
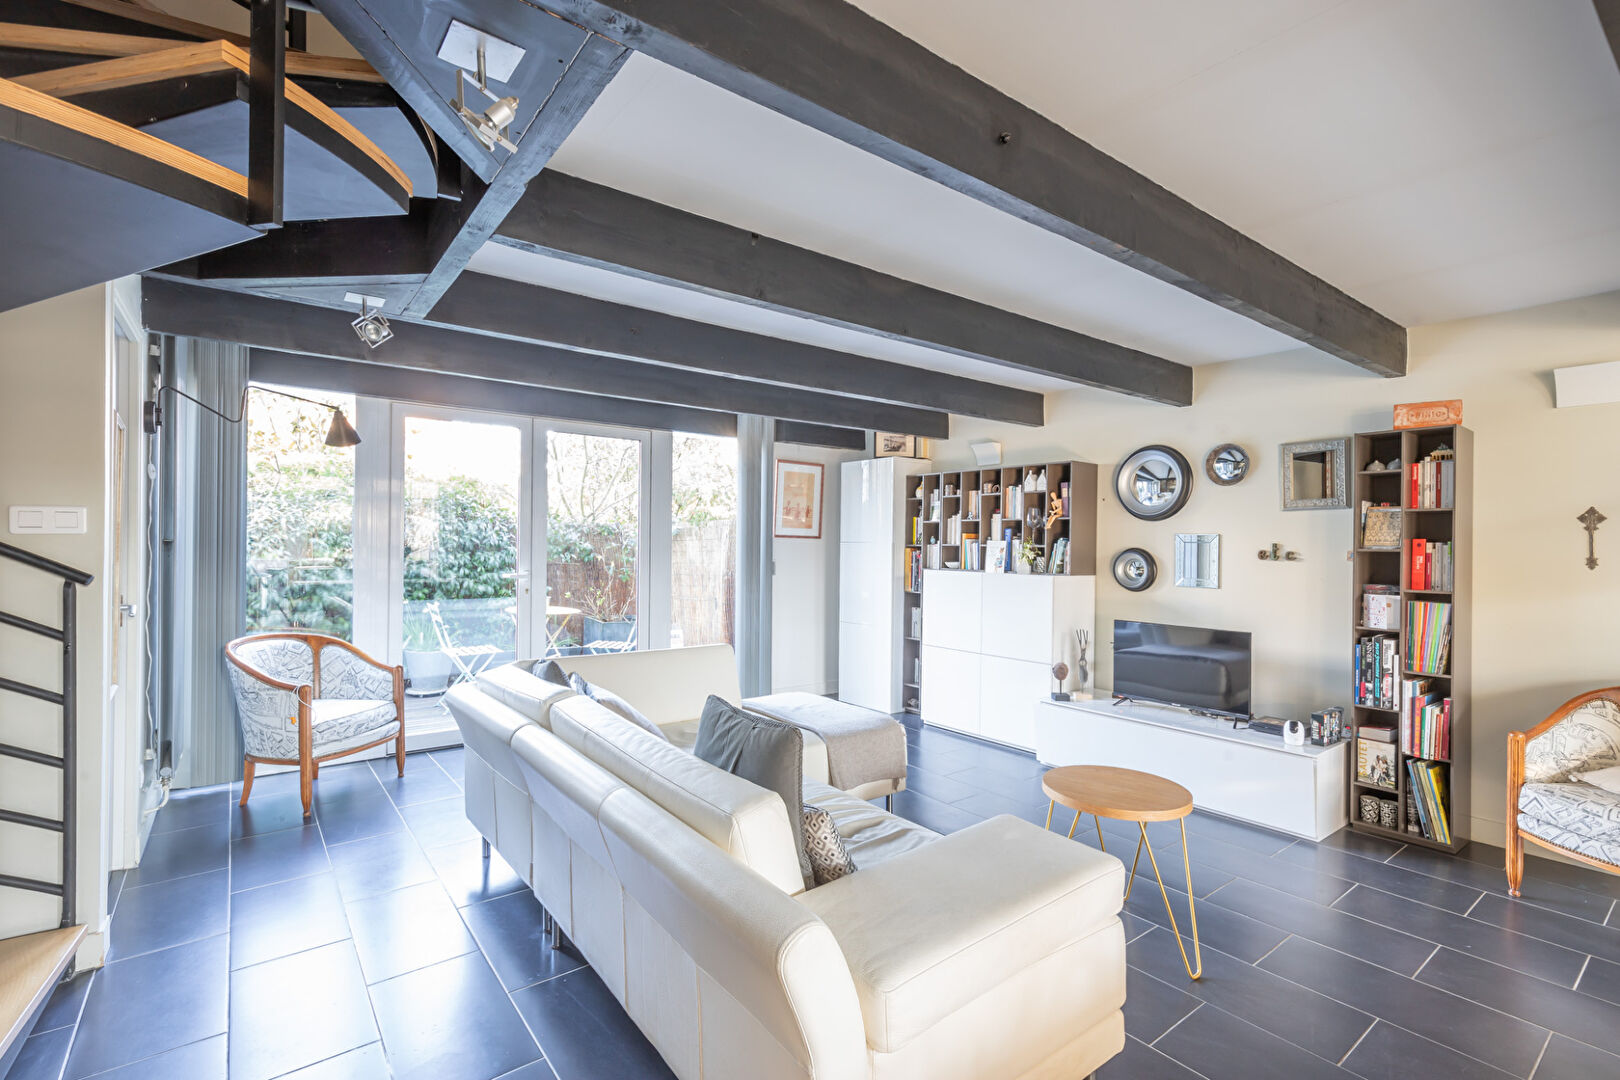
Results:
1374 566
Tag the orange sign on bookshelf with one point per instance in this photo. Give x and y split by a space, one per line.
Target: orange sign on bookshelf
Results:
1418 414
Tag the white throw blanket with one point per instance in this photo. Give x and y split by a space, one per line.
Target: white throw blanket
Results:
863 746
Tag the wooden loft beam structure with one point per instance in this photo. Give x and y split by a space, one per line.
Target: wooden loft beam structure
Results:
579 221
843 72
175 308
431 388
387 251
466 224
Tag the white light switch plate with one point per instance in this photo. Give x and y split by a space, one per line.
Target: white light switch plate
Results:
48 519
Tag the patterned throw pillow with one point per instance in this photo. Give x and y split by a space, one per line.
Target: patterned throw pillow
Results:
614 703
829 859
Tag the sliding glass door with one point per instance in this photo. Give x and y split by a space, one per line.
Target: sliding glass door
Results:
463 587
593 499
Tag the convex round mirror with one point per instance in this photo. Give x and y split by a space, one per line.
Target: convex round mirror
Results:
1153 483
1135 569
1227 464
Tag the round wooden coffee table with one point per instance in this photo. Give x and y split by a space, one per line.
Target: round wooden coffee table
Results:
1128 795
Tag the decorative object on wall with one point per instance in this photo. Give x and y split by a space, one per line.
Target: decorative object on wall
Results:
986 452
1275 553
1591 519
1153 483
1198 560
1060 671
888 444
1135 569
1418 414
1082 643
798 500
1227 464
1312 474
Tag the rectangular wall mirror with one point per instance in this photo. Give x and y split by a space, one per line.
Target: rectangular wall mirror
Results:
1313 475
1198 560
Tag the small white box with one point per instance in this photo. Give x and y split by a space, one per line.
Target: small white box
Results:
48 519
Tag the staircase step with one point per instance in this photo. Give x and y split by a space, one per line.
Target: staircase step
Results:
30 967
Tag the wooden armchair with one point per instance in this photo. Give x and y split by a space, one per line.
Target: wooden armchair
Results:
1545 805
306 698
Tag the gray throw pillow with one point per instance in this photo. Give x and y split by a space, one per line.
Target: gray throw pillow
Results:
550 671
829 858
614 703
761 750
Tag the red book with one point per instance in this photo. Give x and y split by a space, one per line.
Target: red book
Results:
1413 501
1420 565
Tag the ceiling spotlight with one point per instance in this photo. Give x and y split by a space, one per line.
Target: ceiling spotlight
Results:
491 126
370 327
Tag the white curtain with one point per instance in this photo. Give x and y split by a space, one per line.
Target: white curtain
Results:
756 483
200 557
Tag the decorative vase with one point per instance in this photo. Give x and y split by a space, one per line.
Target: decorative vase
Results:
1369 809
1389 812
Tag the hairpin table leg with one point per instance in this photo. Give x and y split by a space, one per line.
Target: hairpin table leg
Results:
1192 903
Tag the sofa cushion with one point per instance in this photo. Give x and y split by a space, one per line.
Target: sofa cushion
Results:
737 816
523 691
548 669
871 835
613 702
829 859
1607 779
767 752
1604 850
1580 809
341 724
929 931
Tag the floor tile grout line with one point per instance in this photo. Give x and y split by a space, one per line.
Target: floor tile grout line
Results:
1582 974
549 978
1359 1040
1273 949
1534 1068
1475 904
1177 1024
1426 959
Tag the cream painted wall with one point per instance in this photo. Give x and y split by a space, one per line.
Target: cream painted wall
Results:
804 584
1544 626
56 376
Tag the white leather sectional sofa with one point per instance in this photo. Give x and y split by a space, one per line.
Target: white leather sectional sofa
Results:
994 952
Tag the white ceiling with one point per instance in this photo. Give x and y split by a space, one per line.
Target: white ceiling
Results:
1434 158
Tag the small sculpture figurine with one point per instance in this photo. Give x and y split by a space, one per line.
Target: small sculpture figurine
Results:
1054 508
1591 520
1060 671
1082 641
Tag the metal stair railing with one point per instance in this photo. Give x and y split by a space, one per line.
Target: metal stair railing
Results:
67 698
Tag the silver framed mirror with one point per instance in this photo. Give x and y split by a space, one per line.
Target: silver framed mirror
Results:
1135 569
1227 464
1153 483
1198 560
1312 475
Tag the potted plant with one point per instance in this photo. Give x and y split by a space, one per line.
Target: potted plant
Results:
1027 554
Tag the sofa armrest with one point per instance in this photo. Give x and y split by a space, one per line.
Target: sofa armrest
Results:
928 931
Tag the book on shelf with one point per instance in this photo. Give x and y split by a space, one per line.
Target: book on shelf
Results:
933 556
1376 681
1007 557
916 622
1064 488
1428 787
1430 565
1425 719
1428 637
1433 482
1375 763
1380 526
1058 563
1381 607
914 566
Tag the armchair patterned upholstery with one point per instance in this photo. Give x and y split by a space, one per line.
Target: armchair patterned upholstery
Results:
305 698
1546 805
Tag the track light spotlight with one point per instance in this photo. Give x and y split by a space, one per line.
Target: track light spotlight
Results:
491 126
371 327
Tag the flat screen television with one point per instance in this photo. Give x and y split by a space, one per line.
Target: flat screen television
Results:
1189 666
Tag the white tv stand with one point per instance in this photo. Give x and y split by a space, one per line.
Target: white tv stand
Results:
1237 773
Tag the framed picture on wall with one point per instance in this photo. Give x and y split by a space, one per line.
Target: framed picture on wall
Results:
888 444
798 500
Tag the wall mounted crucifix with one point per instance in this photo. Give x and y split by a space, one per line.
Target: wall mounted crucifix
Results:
1591 519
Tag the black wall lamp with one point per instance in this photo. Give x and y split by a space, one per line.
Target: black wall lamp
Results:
341 433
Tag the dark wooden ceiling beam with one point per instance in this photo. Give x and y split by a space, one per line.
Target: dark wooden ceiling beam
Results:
430 388
463 226
568 218
485 304
843 72
174 308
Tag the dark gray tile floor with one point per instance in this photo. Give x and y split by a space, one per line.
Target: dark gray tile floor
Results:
374 941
